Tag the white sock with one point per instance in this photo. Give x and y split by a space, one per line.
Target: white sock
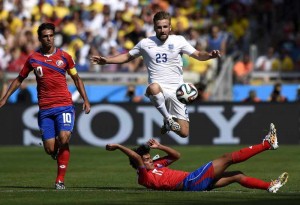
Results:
158 101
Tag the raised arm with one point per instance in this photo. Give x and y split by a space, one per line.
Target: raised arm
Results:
170 151
118 59
203 55
130 153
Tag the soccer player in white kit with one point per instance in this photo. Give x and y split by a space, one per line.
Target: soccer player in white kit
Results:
162 56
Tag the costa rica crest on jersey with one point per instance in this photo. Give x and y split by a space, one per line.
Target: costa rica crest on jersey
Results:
59 63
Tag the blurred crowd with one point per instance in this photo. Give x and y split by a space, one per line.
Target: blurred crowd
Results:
110 27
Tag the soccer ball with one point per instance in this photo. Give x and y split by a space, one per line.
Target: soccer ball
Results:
186 93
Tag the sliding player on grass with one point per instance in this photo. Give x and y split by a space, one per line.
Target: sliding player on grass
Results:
155 174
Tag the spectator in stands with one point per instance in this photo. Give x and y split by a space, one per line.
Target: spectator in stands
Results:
205 69
3 83
298 95
138 33
265 62
24 95
131 94
252 97
216 40
276 95
43 8
242 70
203 95
287 63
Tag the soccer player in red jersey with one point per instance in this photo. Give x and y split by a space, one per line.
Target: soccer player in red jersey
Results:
56 111
155 173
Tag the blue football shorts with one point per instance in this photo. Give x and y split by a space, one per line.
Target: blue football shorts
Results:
201 179
52 121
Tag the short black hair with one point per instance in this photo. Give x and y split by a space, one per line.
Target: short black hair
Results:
45 26
141 150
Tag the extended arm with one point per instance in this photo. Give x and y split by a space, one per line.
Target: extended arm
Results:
80 87
12 88
172 153
130 153
203 55
119 59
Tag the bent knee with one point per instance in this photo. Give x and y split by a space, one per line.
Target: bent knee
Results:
228 157
153 89
49 151
184 128
239 175
183 134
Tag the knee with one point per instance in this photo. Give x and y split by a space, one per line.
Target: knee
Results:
239 175
64 138
184 129
183 134
49 150
64 141
227 157
153 89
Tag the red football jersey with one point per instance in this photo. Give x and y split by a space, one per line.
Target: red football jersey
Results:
161 178
50 72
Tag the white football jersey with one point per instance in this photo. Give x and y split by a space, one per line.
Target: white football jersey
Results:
163 59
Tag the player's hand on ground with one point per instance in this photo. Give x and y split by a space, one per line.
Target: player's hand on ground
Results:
111 147
215 54
98 60
153 143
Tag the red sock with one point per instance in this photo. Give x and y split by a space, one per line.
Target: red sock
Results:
246 153
254 183
62 163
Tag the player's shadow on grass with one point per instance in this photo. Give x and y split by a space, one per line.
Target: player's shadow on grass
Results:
23 187
110 188
105 188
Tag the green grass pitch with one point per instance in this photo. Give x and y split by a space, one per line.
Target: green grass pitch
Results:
96 176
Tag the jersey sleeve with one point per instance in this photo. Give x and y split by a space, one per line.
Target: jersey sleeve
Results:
69 60
164 161
72 71
27 68
136 50
186 47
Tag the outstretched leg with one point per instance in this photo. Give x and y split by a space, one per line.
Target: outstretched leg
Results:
222 163
251 182
239 177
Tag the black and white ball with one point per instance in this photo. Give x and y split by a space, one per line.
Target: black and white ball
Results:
186 93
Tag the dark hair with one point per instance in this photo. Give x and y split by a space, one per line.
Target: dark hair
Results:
45 26
141 150
161 15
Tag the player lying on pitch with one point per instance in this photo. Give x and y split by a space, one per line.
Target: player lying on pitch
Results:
155 174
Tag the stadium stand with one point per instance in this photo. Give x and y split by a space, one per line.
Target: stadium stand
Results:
111 27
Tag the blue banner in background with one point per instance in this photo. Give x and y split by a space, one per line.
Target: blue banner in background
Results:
240 92
117 93
96 93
